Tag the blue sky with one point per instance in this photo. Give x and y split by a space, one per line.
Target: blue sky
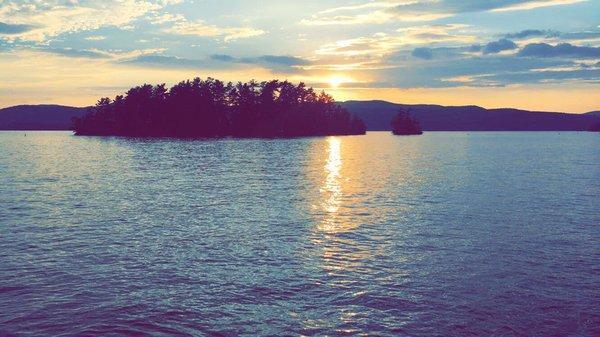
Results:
541 54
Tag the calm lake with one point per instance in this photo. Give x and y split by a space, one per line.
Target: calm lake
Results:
445 234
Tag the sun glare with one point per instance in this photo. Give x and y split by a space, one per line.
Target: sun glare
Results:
337 81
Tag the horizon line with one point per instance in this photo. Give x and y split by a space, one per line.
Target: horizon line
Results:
352 100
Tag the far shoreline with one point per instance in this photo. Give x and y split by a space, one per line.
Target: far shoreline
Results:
274 138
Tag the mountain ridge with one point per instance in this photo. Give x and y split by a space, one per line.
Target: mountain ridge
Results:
464 106
377 115
39 117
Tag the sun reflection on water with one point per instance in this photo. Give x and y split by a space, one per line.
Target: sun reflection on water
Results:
333 169
332 190
339 255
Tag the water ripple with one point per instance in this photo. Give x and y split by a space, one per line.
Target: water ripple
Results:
447 234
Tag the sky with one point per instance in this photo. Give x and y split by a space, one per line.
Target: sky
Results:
530 54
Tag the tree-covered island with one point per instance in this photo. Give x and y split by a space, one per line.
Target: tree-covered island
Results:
405 125
211 108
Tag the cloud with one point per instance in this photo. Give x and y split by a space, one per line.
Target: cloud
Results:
282 60
275 62
560 50
6 28
370 12
382 51
581 36
231 34
465 6
224 58
531 33
46 19
381 44
96 38
93 54
112 56
377 17
380 12
422 53
436 34
270 59
484 66
498 46
168 61
180 25
547 76
420 10
552 35
527 5
438 53
475 48
390 50
493 70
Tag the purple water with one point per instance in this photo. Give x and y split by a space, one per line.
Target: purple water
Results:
445 234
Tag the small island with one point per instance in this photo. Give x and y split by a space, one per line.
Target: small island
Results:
211 109
405 125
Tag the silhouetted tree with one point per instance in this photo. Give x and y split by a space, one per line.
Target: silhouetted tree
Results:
211 108
404 124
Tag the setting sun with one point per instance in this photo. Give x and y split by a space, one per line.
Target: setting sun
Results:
337 81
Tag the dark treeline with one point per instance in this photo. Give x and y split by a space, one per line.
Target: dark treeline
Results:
211 108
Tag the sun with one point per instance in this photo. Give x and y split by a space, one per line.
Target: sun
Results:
336 81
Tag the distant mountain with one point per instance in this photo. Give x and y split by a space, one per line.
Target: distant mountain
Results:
38 117
378 115
593 113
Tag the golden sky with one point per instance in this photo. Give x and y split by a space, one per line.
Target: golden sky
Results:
450 52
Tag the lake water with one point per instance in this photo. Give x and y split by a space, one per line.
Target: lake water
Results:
446 234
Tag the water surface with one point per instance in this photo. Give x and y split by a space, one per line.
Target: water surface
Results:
446 234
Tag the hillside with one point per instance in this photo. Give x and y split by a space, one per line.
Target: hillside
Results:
376 114
593 113
38 117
